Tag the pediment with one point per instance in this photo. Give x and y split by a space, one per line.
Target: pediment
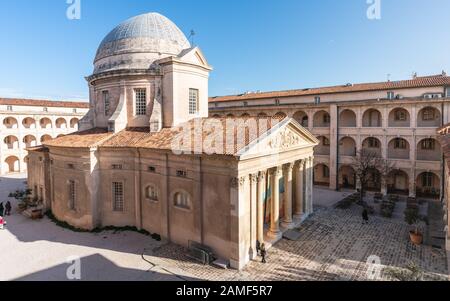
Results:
194 56
286 136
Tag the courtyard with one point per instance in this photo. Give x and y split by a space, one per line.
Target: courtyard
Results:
334 245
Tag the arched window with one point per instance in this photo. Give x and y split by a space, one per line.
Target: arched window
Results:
151 193
182 200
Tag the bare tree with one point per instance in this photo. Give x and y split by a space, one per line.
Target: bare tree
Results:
365 163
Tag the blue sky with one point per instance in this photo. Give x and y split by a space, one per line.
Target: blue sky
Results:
252 44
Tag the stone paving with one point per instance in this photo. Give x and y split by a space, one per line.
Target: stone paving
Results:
334 246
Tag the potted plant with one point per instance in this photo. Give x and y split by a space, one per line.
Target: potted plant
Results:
412 218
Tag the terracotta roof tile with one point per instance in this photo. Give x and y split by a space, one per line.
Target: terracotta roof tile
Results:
142 138
426 81
43 103
85 139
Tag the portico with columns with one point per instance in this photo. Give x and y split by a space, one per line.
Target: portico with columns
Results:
275 188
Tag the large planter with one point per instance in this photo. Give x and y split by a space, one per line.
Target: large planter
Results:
416 238
36 214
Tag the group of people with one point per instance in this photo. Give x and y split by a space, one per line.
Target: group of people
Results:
4 211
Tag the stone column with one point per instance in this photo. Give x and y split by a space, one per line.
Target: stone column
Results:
309 184
253 214
275 175
383 186
334 144
299 190
261 193
288 181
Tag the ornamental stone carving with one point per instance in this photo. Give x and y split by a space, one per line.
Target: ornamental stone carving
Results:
285 139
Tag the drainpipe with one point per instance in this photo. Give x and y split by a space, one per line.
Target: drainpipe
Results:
202 232
337 149
443 159
167 198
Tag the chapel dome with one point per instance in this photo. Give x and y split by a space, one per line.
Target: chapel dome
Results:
138 42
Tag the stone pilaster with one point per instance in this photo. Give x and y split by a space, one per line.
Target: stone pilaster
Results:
275 176
253 214
288 183
299 189
261 193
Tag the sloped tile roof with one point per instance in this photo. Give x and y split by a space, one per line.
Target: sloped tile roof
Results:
85 139
418 82
143 138
44 103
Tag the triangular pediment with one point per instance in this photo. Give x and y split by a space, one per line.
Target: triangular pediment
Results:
286 136
194 56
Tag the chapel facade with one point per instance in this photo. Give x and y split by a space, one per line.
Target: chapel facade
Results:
148 155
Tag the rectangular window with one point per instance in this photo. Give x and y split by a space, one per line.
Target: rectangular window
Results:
373 143
326 141
317 100
428 144
117 196
152 169
326 171
400 144
9 108
193 101
106 102
41 193
428 114
447 92
326 118
390 95
45 109
141 101
181 173
117 166
400 116
427 180
74 110
72 195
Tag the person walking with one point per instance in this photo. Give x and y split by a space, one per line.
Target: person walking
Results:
263 253
2 209
8 208
365 216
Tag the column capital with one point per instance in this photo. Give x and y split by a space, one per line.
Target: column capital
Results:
262 175
254 178
288 167
275 171
237 182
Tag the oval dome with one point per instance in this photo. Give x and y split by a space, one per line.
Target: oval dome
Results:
149 36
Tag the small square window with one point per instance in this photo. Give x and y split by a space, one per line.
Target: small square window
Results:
45 109
152 169
245 103
74 110
117 166
106 102
277 102
181 173
193 101
140 101
390 95
9 108
118 196
70 166
317 100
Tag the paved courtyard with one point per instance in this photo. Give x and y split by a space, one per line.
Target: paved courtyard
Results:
334 245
